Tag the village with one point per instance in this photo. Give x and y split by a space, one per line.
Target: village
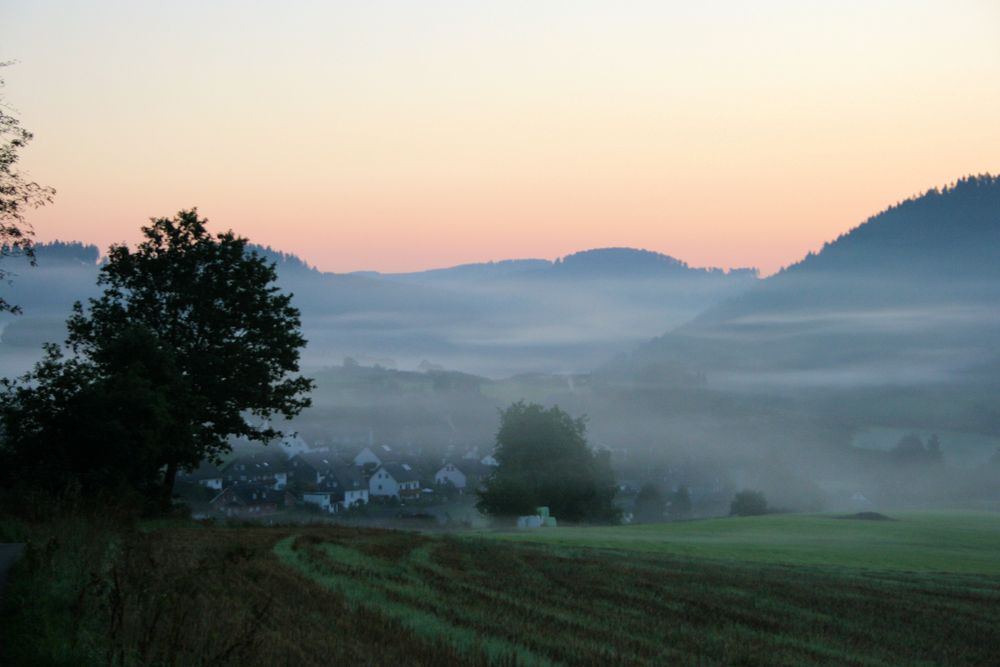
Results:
294 481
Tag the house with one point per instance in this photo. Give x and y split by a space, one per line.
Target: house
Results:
450 474
489 460
367 457
207 474
267 467
248 499
464 474
398 480
309 468
325 500
343 488
354 486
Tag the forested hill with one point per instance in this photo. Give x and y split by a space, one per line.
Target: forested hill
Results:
598 264
909 296
940 235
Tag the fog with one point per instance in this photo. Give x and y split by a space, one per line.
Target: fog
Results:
709 380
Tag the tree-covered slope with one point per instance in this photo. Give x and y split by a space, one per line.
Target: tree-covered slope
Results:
910 296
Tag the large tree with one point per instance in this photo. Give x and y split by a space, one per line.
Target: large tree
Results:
544 460
221 341
17 194
102 426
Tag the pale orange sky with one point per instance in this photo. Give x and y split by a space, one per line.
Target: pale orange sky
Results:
407 135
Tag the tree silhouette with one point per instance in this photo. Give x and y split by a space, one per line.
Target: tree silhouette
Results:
17 195
748 503
198 322
544 459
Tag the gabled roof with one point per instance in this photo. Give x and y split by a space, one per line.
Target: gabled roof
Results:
350 478
401 472
370 454
321 462
262 462
251 494
473 468
341 479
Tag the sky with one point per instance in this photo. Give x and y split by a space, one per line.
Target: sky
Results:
399 136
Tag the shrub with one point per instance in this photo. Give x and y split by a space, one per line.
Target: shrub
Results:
748 503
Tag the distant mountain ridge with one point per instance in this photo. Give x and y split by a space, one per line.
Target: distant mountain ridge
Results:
910 295
598 262
497 318
955 228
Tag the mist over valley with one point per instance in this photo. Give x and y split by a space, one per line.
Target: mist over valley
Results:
702 378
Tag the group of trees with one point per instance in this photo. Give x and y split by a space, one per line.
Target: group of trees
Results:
653 505
544 460
191 343
748 503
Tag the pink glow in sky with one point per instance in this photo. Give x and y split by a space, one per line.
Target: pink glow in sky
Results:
407 135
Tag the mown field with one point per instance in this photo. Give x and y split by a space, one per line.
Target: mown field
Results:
712 592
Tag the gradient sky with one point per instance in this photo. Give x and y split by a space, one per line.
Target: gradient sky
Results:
407 135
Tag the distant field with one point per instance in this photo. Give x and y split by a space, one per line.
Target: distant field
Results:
954 542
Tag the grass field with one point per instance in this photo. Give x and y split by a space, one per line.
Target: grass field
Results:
785 590
953 542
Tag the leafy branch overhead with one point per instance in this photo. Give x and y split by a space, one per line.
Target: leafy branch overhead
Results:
18 194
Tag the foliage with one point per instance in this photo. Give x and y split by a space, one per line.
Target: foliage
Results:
17 194
650 504
679 504
103 425
191 343
748 503
544 460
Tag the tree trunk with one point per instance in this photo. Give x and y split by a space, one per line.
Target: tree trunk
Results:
169 477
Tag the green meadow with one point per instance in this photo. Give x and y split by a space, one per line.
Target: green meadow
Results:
953 542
